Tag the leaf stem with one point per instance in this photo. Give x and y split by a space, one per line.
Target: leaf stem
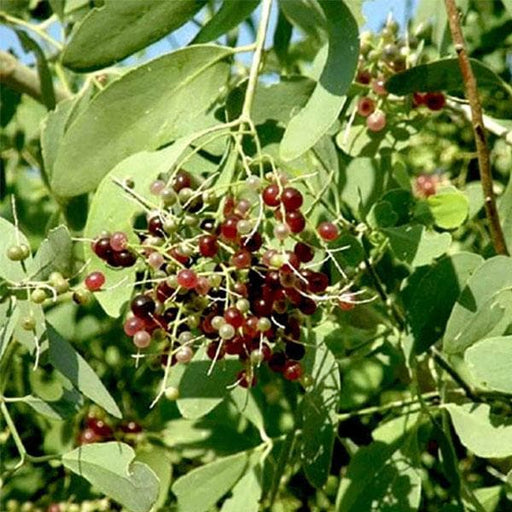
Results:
432 395
477 122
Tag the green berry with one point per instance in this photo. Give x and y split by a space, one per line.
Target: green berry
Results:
82 296
16 253
28 323
172 393
38 296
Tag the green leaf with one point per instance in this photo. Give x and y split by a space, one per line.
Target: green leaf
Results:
485 434
505 213
484 307
327 100
45 75
442 75
54 254
231 14
113 209
490 363
319 410
201 488
73 366
245 495
149 106
9 236
382 215
111 468
116 29
68 405
307 15
248 407
415 245
449 207
362 183
430 295
157 459
382 476
200 392
53 127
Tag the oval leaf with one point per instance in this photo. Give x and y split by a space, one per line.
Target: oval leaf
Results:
324 105
149 106
201 488
117 29
427 315
485 434
417 246
442 75
481 306
449 208
74 367
110 467
490 362
229 16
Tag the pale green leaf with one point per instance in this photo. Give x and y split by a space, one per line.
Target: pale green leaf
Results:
158 460
117 29
484 307
485 434
201 488
75 368
149 106
415 245
245 495
490 363
327 99
231 14
110 467
449 208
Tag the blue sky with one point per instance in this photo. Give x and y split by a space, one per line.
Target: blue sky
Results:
375 11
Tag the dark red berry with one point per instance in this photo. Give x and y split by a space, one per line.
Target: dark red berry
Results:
156 226
292 371
245 381
182 180
317 282
303 252
124 258
253 243
178 256
291 199
365 106
187 278
296 221
418 98
94 281
307 306
215 350
99 427
328 231
101 247
228 228
208 246
142 306
88 436
295 351
234 317
241 259
277 362
435 100
131 427
270 195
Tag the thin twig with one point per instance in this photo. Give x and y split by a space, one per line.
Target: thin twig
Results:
470 86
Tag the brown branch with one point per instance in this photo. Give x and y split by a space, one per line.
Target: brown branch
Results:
470 86
22 79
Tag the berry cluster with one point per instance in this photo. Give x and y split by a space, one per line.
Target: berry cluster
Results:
380 58
96 430
234 275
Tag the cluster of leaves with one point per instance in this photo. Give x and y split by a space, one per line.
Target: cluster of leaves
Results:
407 401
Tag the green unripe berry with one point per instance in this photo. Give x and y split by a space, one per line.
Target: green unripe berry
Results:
82 297
243 305
169 197
61 286
38 296
170 225
185 194
18 252
226 331
263 324
191 220
28 323
172 393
